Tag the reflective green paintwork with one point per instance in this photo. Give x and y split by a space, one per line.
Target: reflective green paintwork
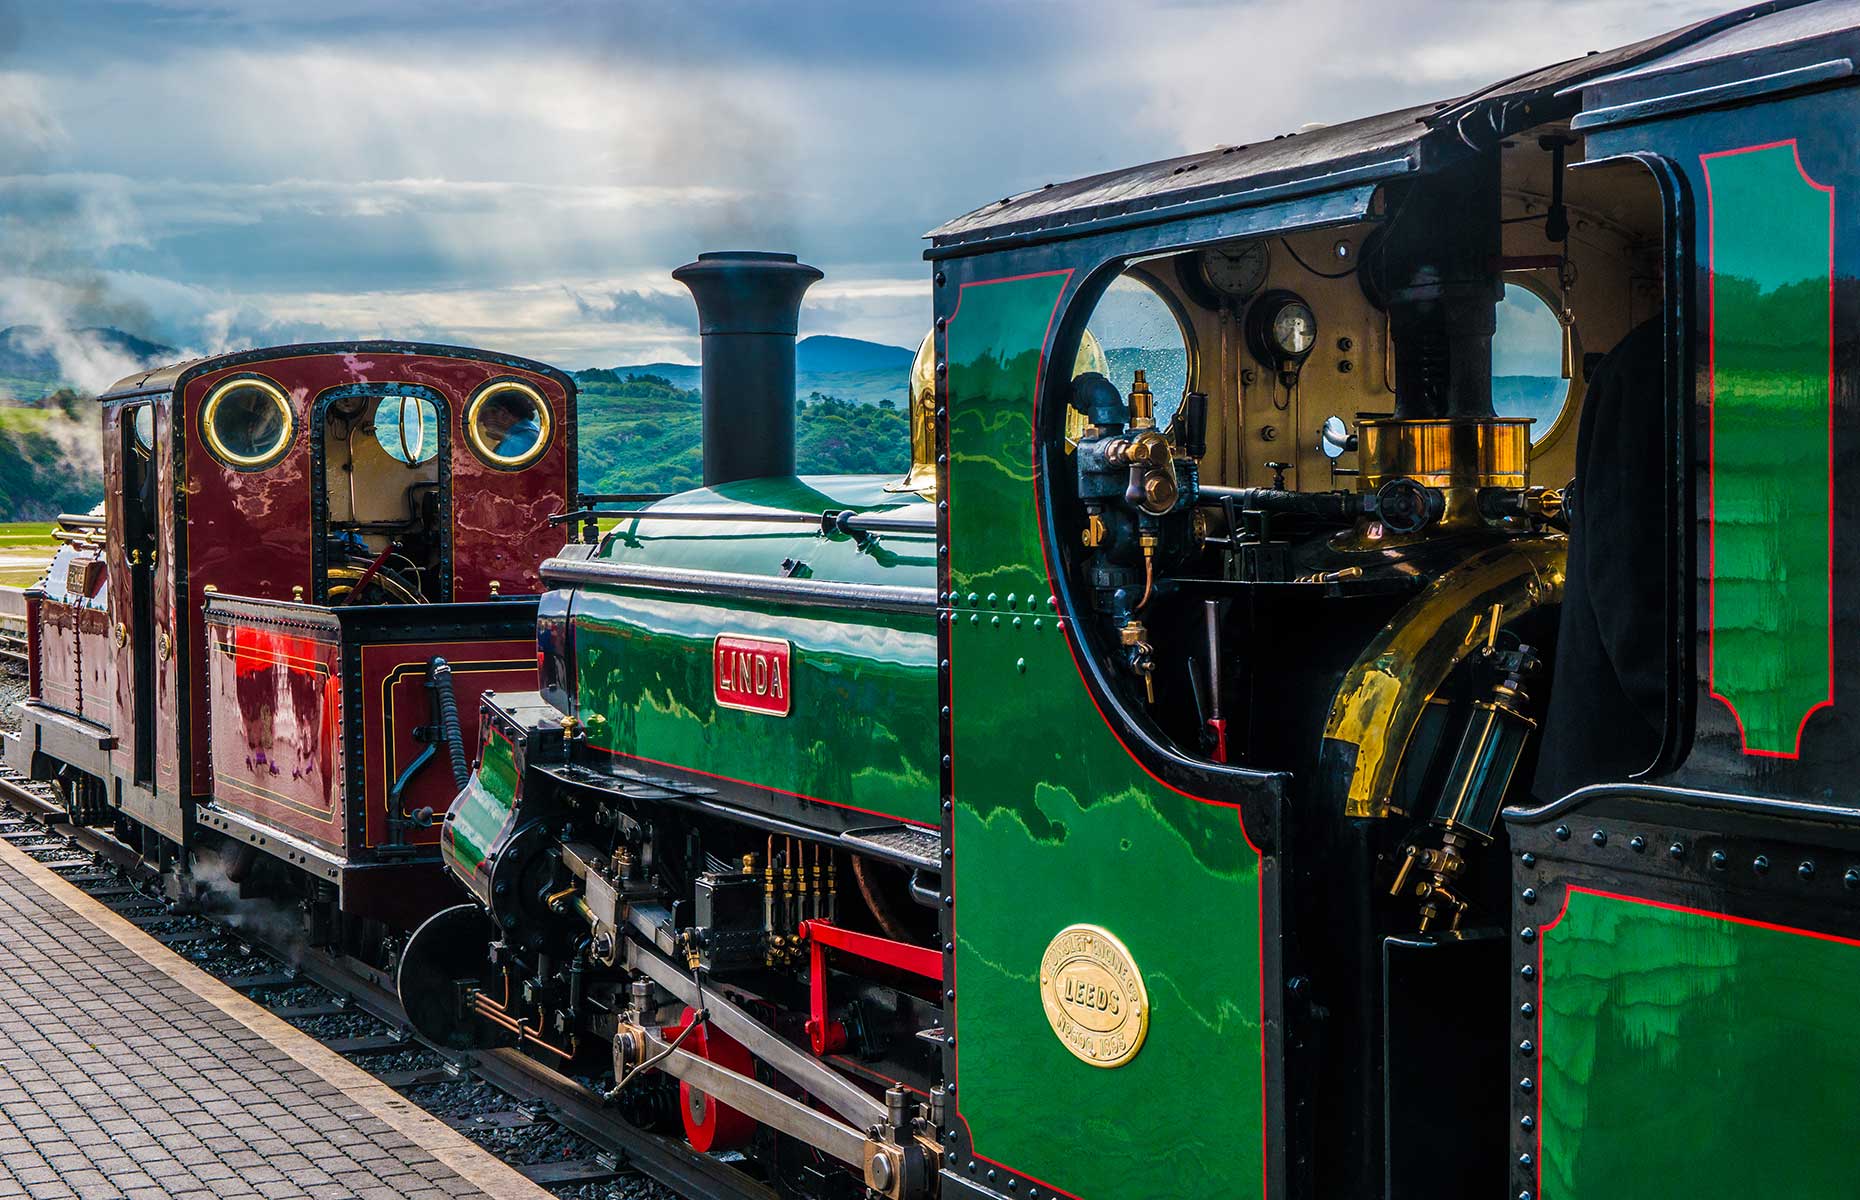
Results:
1054 823
481 813
1686 1054
862 732
1771 391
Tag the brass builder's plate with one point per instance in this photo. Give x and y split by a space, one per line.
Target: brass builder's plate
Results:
1094 996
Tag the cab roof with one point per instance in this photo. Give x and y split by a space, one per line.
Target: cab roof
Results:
1367 149
166 379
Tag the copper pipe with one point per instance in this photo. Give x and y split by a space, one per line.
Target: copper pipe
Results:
876 902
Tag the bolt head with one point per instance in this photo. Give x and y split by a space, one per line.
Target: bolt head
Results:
1562 833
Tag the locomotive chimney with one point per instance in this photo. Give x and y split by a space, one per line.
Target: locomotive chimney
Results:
749 304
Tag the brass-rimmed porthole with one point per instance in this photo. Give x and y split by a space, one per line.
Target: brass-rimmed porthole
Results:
247 423
507 424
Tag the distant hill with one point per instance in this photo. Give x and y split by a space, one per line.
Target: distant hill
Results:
29 371
824 353
855 371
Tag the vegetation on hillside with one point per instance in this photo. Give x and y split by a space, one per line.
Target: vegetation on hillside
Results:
49 460
640 433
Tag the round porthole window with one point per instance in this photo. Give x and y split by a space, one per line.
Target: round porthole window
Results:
247 423
1527 362
1136 329
508 425
407 428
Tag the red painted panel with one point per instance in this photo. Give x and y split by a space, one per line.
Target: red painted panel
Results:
276 700
249 534
396 704
96 664
500 519
118 584
58 657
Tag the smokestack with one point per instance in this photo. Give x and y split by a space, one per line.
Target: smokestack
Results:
749 303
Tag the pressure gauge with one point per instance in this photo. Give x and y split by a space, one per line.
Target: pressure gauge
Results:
1294 331
1281 331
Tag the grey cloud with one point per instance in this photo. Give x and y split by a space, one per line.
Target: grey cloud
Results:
672 311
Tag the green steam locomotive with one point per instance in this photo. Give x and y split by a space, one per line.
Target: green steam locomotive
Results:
1346 703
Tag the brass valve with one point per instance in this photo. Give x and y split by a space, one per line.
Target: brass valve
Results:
1140 655
1142 403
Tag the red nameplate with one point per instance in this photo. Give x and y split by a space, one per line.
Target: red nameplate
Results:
752 674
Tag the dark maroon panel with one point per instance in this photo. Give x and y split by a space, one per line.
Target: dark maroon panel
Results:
396 704
248 533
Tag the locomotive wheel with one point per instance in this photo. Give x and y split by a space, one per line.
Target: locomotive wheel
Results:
445 956
710 1124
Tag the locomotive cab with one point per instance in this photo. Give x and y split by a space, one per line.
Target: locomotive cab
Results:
310 562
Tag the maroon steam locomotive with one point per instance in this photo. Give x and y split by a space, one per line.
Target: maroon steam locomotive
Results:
310 564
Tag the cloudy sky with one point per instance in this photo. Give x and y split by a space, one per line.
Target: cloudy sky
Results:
523 174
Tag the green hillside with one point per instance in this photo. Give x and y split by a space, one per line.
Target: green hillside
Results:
49 463
641 433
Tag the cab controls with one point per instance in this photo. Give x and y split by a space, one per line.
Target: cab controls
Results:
1281 331
1408 506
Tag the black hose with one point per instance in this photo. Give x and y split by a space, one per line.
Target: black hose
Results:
439 675
1335 506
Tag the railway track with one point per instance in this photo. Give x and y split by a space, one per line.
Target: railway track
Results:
551 1128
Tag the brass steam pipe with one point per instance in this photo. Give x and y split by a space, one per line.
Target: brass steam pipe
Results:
1381 699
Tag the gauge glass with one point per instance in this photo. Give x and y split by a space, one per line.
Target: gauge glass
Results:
1236 271
1294 330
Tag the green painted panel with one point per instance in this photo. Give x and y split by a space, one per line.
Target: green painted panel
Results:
1771 231
905 560
862 729
1055 824
478 817
1686 1054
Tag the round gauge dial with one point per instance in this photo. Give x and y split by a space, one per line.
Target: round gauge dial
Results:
1294 330
1236 271
1282 331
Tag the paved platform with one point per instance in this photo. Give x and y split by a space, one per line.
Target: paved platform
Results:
126 1071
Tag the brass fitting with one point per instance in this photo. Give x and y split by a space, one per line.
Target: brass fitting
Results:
1142 404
